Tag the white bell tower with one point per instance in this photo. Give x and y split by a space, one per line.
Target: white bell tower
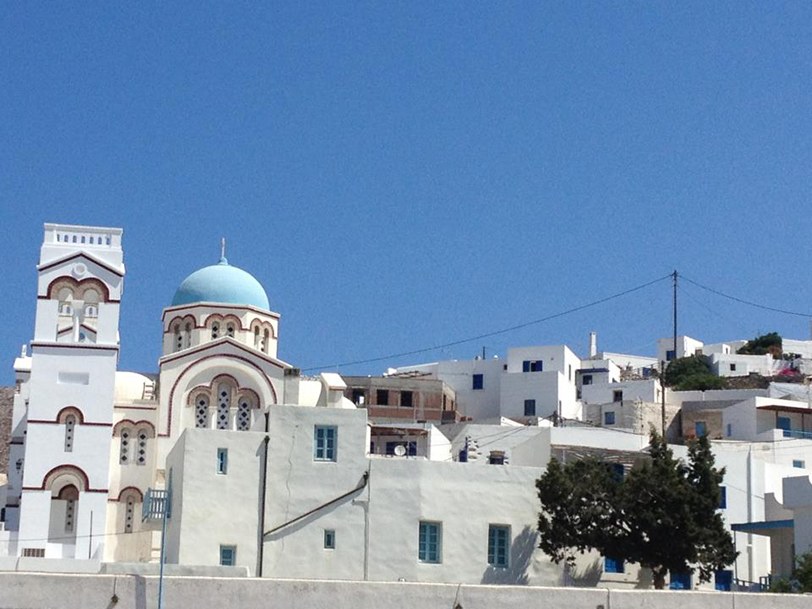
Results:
69 415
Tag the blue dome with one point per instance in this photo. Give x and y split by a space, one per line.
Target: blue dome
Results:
221 283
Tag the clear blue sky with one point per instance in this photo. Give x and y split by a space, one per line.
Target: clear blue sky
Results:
404 174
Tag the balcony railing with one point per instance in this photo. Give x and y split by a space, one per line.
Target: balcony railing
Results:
798 434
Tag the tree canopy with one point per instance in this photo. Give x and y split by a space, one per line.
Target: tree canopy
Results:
662 515
771 343
691 373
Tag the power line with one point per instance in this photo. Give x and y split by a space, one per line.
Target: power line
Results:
495 332
743 301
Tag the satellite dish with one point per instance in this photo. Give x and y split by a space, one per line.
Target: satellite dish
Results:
400 450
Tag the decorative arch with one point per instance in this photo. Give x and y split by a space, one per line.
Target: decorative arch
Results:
79 288
65 475
133 425
130 491
62 415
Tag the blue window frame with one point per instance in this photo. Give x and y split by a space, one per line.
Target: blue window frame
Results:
729 430
228 556
329 539
784 423
498 545
324 443
530 408
723 580
609 418
429 542
722 497
680 581
613 565
700 429
222 461
534 365
799 463
478 382
670 354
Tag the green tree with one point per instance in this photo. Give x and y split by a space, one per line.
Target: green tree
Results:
801 579
663 515
771 343
691 373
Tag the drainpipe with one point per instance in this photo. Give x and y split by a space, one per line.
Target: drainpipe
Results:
263 488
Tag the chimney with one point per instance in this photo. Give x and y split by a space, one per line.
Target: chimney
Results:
593 344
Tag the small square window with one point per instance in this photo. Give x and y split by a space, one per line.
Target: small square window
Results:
498 545
228 556
406 398
532 365
329 539
617 395
609 418
799 463
429 545
613 565
669 355
478 382
733 367
530 408
358 397
383 397
222 461
497 457
324 443
586 379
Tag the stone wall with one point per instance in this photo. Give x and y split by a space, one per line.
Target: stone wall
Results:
6 406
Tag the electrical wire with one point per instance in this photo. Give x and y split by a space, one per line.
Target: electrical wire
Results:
495 332
743 301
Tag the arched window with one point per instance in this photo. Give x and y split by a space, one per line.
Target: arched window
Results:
202 412
188 337
141 452
70 495
178 338
65 298
215 330
129 514
91 298
266 341
70 424
256 337
124 450
223 405
244 414
230 330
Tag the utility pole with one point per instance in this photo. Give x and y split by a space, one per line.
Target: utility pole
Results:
675 313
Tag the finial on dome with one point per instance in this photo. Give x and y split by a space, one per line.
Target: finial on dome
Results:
223 259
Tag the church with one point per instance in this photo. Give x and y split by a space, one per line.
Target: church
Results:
269 472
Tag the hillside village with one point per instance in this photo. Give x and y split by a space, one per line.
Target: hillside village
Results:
425 473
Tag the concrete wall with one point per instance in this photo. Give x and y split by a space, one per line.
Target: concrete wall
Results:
39 591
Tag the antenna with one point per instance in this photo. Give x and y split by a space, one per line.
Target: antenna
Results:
223 248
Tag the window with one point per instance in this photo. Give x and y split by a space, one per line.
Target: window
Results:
669 355
700 429
733 367
141 453
478 381
429 542
124 451
609 418
406 398
617 395
784 423
223 405
383 397
228 556
244 414
799 463
215 330
723 580
324 443
680 581
617 471
497 457
498 545
230 330
729 430
222 461
722 497
530 408
613 565
178 338
329 539
70 424
202 412
358 397
532 365
586 379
